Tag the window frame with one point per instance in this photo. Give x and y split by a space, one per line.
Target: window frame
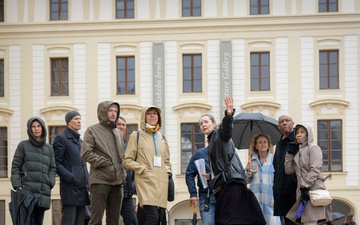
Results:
329 132
328 4
59 10
125 9
260 66
192 74
5 168
259 7
192 9
60 73
58 130
126 70
130 127
329 64
195 133
2 10
2 77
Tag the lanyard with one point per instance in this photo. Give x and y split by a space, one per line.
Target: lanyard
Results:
156 144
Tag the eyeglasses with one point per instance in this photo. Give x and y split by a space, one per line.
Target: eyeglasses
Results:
284 121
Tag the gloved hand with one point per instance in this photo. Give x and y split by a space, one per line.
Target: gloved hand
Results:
293 148
304 194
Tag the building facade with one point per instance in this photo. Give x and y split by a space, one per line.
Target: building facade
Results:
297 57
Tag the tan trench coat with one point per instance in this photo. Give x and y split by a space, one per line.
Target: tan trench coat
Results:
151 186
307 164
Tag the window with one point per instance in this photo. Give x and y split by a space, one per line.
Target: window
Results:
191 140
54 131
129 129
328 5
56 211
260 71
3 153
192 73
329 69
259 7
58 9
124 9
330 142
2 212
2 79
2 11
59 77
125 71
191 8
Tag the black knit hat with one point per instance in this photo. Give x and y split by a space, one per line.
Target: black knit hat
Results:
70 115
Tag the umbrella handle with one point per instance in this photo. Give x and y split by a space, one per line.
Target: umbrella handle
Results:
253 170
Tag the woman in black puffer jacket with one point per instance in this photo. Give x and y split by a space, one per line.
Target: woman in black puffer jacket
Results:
34 166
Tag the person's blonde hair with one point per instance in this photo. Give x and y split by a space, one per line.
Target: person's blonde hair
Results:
253 147
349 218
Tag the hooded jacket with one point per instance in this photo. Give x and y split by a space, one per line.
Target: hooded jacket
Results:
34 165
225 162
103 149
307 164
152 185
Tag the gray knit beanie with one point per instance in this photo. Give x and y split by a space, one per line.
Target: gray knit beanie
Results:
70 115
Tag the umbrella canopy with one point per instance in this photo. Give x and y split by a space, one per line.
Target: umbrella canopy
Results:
21 205
246 125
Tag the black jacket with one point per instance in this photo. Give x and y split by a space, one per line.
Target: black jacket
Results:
71 169
284 185
225 163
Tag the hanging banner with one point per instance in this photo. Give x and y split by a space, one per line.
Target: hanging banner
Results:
159 79
225 74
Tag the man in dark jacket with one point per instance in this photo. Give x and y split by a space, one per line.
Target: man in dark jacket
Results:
284 185
206 197
72 171
127 208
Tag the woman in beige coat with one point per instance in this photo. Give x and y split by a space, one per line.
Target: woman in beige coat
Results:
306 161
148 155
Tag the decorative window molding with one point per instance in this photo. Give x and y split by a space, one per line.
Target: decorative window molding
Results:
57 110
128 108
332 103
5 113
191 107
261 105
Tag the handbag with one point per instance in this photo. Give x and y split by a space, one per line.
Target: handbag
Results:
320 197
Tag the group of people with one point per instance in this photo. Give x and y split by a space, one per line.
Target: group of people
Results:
110 184
116 166
279 181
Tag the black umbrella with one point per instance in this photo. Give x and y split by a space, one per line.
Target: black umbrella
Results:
194 219
248 124
21 205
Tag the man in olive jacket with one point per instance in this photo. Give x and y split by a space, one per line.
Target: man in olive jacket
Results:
103 149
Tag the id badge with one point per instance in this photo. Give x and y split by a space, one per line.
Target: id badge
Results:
157 161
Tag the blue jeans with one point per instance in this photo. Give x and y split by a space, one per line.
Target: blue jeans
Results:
208 218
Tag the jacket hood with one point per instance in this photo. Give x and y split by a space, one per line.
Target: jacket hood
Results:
102 113
310 139
32 138
143 116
